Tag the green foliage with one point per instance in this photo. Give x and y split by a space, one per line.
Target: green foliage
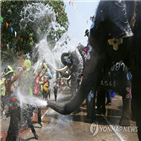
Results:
10 11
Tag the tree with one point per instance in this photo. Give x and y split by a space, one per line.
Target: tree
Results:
11 12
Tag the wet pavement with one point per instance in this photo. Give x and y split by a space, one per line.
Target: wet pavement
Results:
4 121
73 127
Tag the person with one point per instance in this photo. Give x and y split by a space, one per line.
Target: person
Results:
59 82
45 88
48 92
26 86
36 92
45 84
14 104
86 33
55 90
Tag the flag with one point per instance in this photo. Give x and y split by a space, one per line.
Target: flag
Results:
1 44
7 46
6 25
69 2
60 10
15 33
19 37
11 29
1 19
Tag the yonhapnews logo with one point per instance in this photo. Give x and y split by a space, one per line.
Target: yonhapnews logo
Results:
94 128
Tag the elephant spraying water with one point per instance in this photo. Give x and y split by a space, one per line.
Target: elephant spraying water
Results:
116 36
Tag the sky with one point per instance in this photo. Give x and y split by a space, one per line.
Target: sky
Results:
78 13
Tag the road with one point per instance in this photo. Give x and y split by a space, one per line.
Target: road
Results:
73 127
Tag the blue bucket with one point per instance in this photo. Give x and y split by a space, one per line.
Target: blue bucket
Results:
112 94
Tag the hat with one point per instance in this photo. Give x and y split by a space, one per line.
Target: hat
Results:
86 32
8 70
50 75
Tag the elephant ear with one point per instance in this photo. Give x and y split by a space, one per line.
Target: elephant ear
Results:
114 14
118 17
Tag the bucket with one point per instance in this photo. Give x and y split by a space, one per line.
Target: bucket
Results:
112 94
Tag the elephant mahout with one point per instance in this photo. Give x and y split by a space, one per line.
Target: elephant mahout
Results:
115 36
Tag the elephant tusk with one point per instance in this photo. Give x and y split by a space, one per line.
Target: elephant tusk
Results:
67 78
63 69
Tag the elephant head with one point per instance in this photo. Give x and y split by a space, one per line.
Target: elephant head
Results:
67 59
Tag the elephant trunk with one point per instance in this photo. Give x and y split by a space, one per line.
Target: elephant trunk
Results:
91 74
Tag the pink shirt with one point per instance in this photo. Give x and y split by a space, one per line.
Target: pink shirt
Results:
37 86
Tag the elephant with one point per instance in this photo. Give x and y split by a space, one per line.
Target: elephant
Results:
73 62
115 36
110 80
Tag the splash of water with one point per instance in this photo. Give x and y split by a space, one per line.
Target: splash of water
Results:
40 16
31 100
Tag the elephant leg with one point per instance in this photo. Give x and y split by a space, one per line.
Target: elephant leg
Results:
90 101
103 109
125 119
101 102
108 98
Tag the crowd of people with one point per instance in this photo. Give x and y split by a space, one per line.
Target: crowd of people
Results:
36 84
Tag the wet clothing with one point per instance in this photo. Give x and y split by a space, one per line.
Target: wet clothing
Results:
10 91
14 127
29 115
39 109
48 93
37 86
45 87
2 86
37 94
2 94
14 108
45 90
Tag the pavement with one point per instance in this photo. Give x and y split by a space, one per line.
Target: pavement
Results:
73 127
